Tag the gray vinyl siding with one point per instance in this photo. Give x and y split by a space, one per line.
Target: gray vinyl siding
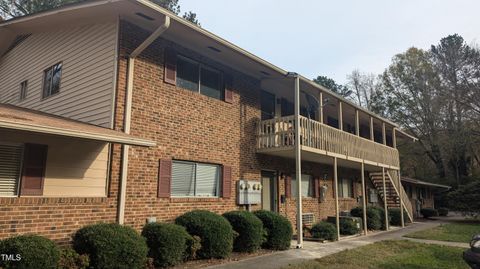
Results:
88 55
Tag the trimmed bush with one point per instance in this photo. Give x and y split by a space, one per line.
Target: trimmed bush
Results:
428 212
278 228
111 246
251 234
375 216
215 232
33 251
324 230
348 226
167 243
443 211
70 259
396 218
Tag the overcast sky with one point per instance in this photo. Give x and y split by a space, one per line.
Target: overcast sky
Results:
333 38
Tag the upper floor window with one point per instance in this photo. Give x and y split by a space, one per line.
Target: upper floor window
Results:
195 179
51 80
197 77
23 90
307 186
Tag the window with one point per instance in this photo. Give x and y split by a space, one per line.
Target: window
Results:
307 186
51 80
196 77
195 179
23 90
345 188
10 163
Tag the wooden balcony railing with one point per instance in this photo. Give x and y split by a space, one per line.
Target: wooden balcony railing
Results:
279 133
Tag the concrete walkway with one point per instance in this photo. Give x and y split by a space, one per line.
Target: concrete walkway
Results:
314 250
437 242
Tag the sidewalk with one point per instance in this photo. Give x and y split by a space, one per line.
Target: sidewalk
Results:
314 250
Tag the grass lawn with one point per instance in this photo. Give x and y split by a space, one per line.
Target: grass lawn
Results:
452 232
391 255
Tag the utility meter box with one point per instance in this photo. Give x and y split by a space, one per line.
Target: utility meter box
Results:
249 192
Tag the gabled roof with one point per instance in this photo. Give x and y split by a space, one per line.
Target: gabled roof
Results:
149 15
22 119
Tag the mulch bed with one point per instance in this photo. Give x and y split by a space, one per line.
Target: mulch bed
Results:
236 256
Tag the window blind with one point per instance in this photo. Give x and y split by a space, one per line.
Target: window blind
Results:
10 164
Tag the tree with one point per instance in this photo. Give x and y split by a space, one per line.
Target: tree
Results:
458 66
366 88
411 92
332 85
16 8
174 7
466 199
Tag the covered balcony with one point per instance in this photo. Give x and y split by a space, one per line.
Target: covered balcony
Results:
329 126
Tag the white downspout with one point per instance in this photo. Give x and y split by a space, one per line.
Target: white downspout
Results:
128 114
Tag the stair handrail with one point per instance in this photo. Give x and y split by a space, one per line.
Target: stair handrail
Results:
401 192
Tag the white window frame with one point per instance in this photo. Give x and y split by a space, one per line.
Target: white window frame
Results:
23 89
341 183
310 193
199 79
50 87
217 184
19 179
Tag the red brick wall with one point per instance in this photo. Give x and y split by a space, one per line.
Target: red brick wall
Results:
186 126
55 218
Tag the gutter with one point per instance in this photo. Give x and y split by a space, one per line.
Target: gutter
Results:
255 58
128 113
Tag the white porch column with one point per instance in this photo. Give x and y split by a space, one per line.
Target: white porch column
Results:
340 115
384 133
372 137
335 183
394 138
385 199
364 200
298 163
401 200
320 108
357 122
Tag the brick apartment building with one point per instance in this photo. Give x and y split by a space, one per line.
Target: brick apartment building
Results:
120 111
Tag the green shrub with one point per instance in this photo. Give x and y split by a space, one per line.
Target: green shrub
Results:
215 232
167 243
33 251
249 227
428 212
70 259
324 230
111 246
278 228
443 211
375 216
396 218
348 226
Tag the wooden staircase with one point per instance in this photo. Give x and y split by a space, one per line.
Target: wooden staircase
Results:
393 191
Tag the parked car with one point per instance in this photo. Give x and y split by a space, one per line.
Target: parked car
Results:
472 255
